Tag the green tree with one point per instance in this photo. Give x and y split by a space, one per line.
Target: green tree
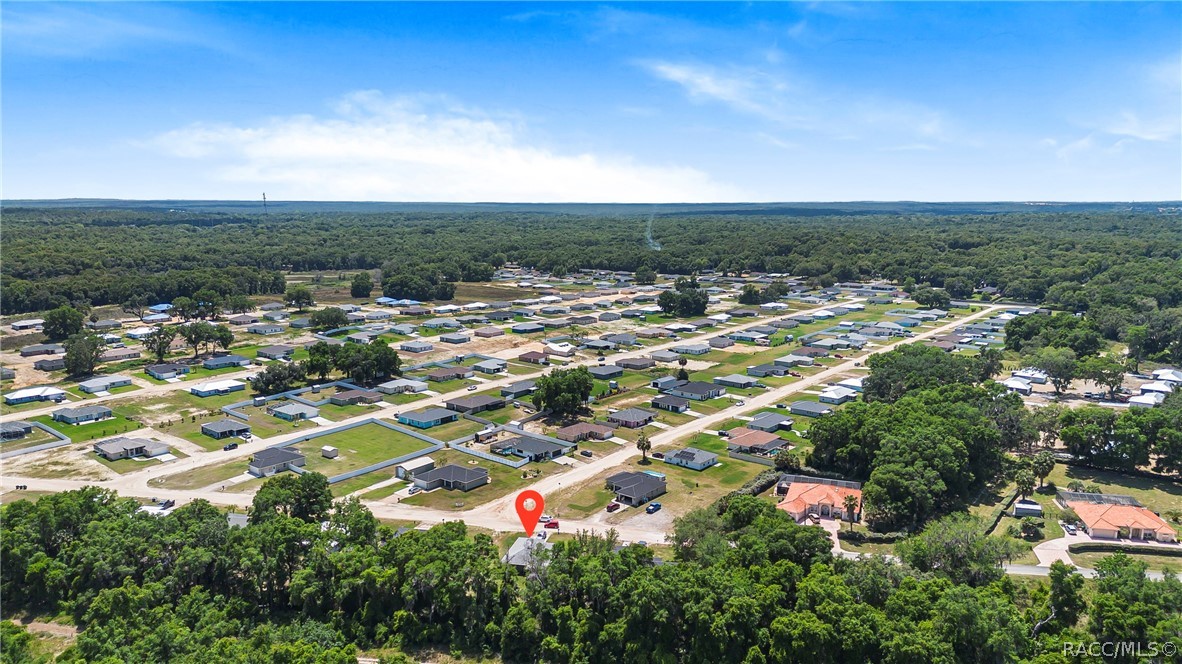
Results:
222 336
62 323
82 354
239 304
1059 364
750 294
644 445
564 392
298 296
954 547
184 308
932 298
329 318
1024 480
159 341
1137 339
1041 465
1106 370
135 305
362 285
322 359
276 378
645 276
988 363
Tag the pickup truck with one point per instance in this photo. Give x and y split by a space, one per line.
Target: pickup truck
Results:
653 508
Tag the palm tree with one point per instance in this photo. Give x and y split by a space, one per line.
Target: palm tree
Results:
644 445
850 503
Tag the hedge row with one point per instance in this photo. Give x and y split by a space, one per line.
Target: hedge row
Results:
1105 547
754 486
863 537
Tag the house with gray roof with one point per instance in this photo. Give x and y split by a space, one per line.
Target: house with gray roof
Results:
103 384
266 463
50 364
15 429
452 477
809 408
635 488
428 417
770 422
475 404
518 389
736 380
632 418
225 428
294 411
82 414
606 372
415 346
114 449
692 458
277 352
225 361
528 447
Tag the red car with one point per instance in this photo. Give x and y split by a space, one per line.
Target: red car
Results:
613 507
551 524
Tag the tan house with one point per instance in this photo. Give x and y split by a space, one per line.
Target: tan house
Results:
1117 517
825 498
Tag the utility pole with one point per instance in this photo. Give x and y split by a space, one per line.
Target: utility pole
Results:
264 202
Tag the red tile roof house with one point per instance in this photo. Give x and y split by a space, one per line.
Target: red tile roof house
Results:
811 495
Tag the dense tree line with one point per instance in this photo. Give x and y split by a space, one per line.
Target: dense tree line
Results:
1122 268
750 585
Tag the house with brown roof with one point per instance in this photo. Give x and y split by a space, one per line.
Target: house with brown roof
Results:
584 431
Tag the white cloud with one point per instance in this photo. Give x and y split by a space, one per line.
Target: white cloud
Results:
423 149
101 30
1131 125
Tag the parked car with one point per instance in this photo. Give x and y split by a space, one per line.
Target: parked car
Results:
414 490
553 525
814 518
658 455
545 518
653 508
1070 528
740 402
471 388
230 446
613 507
586 453
839 356
794 374
781 405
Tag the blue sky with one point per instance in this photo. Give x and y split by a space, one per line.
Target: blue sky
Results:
542 102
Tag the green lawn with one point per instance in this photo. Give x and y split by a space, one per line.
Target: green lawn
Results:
359 447
1156 495
383 492
263 425
5 409
181 414
337 413
1089 560
118 390
341 489
201 477
403 397
80 433
504 480
457 429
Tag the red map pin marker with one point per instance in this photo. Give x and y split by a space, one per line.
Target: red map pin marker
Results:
529 515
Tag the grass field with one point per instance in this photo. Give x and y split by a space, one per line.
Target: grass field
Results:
403 397
201 477
1159 563
337 413
80 433
457 429
359 447
504 480
263 425
182 414
38 437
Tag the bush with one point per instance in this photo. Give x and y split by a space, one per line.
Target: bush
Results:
867 537
1105 547
754 486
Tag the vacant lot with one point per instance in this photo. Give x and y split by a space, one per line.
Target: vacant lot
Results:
1158 563
203 476
132 465
459 428
358 447
264 425
182 414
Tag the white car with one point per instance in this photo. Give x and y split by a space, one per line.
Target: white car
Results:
545 518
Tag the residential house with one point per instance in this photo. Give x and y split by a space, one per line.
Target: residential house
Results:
635 363
527 447
28 324
265 328
692 458
452 477
527 328
118 355
82 414
534 357
632 418
770 422
225 361
403 385
106 324
750 441
413 467
670 403
454 338
837 395
166 371
475 404
225 428
621 339
561 349
695 390
692 349
1108 516
524 553
428 417
15 429
826 498
489 332
103 384
854 384
809 408
720 342
415 346
42 349
575 433
606 372
491 366
736 380
243 319
215 387
266 463
50 364
447 373
765 370
636 488
354 397
294 411
277 352
519 389
29 394
664 356
608 316
1019 385
114 449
